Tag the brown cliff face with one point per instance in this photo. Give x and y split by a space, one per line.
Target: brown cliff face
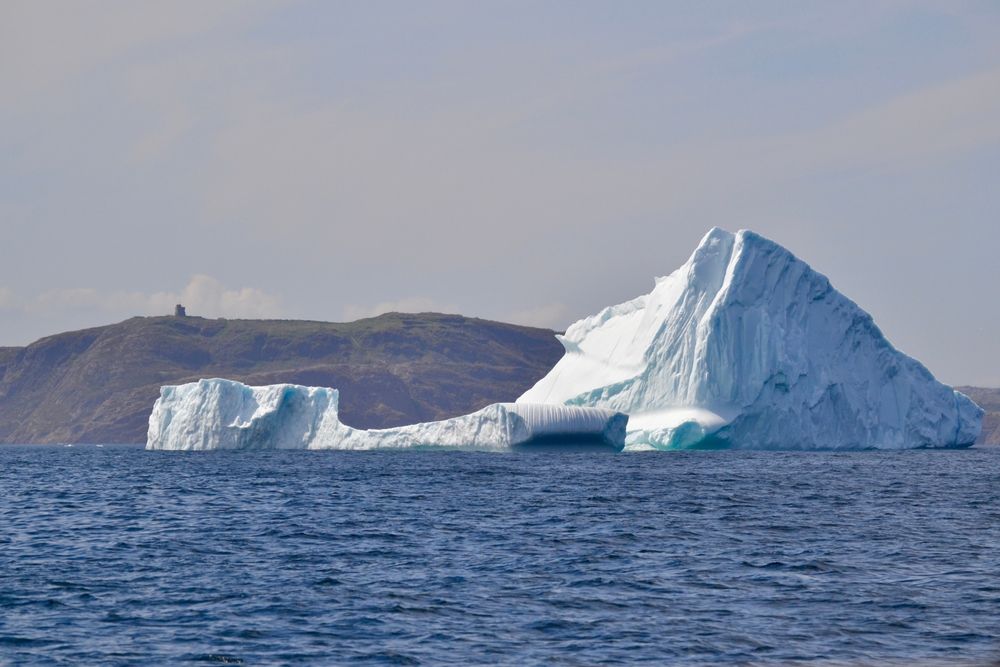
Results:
98 385
989 400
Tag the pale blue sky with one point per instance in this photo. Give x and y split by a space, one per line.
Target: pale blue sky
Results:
525 161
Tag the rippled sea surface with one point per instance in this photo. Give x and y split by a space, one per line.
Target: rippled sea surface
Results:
114 555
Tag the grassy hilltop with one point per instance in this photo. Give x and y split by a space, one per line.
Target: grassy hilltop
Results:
98 385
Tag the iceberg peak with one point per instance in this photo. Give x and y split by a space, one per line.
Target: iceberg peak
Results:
745 345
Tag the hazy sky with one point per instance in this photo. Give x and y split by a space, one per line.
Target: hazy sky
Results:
524 161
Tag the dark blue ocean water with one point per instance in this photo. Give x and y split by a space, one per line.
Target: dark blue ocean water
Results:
115 555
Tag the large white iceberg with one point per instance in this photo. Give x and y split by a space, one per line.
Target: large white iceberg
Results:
746 346
222 414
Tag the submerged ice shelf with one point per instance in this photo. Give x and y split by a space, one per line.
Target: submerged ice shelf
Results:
746 346
223 414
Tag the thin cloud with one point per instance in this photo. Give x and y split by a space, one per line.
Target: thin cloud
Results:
549 316
203 295
949 117
44 45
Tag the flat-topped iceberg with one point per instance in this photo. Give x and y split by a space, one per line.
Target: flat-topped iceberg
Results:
746 346
222 414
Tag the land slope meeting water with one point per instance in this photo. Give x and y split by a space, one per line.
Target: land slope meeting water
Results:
746 346
98 385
